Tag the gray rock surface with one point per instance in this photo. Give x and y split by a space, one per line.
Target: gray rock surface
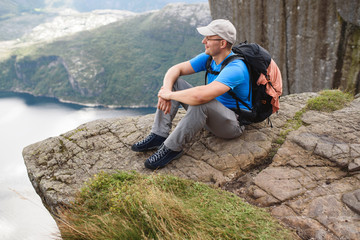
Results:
312 176
352 200
311 185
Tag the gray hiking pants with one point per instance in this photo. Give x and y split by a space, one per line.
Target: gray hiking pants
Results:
213 116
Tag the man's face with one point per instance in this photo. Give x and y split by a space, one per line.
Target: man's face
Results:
212 44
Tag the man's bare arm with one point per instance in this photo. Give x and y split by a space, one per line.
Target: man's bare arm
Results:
196 95
175 72
170 77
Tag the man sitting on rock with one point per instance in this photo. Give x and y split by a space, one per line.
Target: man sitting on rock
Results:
207 106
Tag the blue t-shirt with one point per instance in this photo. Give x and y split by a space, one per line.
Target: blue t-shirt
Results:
235 75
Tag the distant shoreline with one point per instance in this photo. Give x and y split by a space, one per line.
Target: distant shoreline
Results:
31 99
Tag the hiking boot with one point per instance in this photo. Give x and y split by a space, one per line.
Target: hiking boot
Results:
162 157
152 141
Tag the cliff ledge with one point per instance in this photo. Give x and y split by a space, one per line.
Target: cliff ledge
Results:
311 184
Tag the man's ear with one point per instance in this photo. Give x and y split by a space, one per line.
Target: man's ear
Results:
223 44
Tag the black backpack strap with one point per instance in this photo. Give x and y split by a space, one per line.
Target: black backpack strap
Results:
230 59
224 64
208 69
233 95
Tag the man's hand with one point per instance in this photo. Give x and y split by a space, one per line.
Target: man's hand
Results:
164 105
164 93
164 101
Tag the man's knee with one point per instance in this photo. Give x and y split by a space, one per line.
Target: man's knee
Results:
198 109
181 84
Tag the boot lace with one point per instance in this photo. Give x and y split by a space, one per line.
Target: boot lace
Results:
145 140
159 154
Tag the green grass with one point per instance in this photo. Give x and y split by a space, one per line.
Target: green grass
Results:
327 101
133 206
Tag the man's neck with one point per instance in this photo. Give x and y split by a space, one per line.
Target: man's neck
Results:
220 57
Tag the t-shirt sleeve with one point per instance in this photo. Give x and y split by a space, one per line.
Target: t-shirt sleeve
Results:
198 63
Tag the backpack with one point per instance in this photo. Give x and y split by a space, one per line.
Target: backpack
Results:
265 82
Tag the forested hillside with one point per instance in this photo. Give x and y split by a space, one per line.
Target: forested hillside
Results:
120 64
17 6
19 17
133 5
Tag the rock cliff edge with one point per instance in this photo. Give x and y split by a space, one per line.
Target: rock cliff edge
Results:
311 184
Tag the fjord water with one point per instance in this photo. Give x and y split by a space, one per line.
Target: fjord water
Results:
25 120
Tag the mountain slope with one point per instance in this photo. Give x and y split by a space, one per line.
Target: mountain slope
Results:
14 7
120 64
134 5
19 6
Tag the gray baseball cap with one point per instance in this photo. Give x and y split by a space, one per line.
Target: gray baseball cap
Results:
221 27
